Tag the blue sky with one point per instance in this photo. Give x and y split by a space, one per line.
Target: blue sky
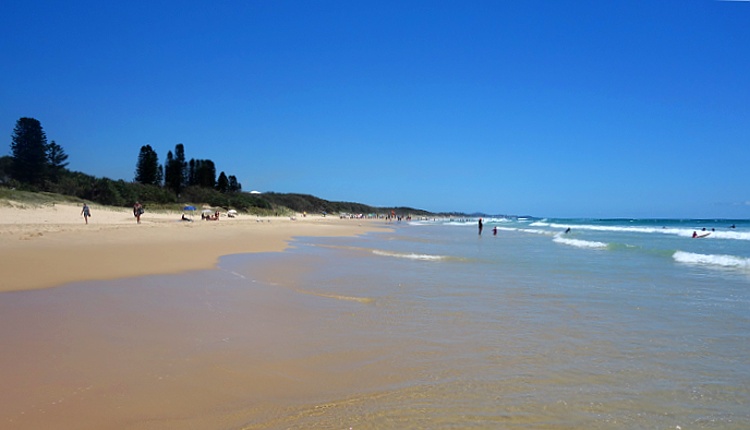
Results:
547 108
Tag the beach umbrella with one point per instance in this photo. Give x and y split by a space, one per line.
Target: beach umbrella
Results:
231 211
189 208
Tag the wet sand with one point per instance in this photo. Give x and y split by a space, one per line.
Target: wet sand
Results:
124 326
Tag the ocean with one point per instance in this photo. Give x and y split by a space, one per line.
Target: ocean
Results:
616 324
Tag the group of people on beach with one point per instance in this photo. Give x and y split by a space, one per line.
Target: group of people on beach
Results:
209 217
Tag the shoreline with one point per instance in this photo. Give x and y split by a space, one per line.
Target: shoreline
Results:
48 246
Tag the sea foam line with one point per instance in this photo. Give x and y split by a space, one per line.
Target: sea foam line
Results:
712 259
410 256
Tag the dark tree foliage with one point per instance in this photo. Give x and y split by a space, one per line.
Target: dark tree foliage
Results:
175 169
110 192
56 157
234 186
181 164
56 162
191 173
169 172
29 149
147 170
5 166
202 173
222 184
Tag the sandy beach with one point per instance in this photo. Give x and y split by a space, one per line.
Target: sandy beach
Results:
157 353
50 245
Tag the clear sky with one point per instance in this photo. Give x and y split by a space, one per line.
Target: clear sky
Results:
620 108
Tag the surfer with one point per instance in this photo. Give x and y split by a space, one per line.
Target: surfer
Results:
695 234
567 231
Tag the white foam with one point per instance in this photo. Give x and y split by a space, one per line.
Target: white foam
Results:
461 223
410 256
712 259
498 220
683 232
579 243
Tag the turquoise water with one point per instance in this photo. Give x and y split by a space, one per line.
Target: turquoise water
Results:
615 324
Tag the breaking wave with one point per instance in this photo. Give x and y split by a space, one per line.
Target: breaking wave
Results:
671 230
712 259
580 243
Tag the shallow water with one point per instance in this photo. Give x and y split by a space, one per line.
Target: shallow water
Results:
523 329
428 326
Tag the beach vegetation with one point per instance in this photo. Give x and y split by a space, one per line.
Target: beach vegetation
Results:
312 204
215 198
6 162
22 198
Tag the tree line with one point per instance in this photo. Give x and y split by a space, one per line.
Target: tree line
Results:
36 165
177 174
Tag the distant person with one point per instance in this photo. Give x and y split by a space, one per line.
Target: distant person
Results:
695 234
480 226
86 212
494 231
184 218
137 211
733 226
567 230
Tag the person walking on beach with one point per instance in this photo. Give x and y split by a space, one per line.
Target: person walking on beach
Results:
86 212
480 226
137 211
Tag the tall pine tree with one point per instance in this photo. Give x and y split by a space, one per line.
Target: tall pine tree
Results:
222 184
29 149
234 185
147 170
202 173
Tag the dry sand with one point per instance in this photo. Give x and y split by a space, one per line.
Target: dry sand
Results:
46 246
